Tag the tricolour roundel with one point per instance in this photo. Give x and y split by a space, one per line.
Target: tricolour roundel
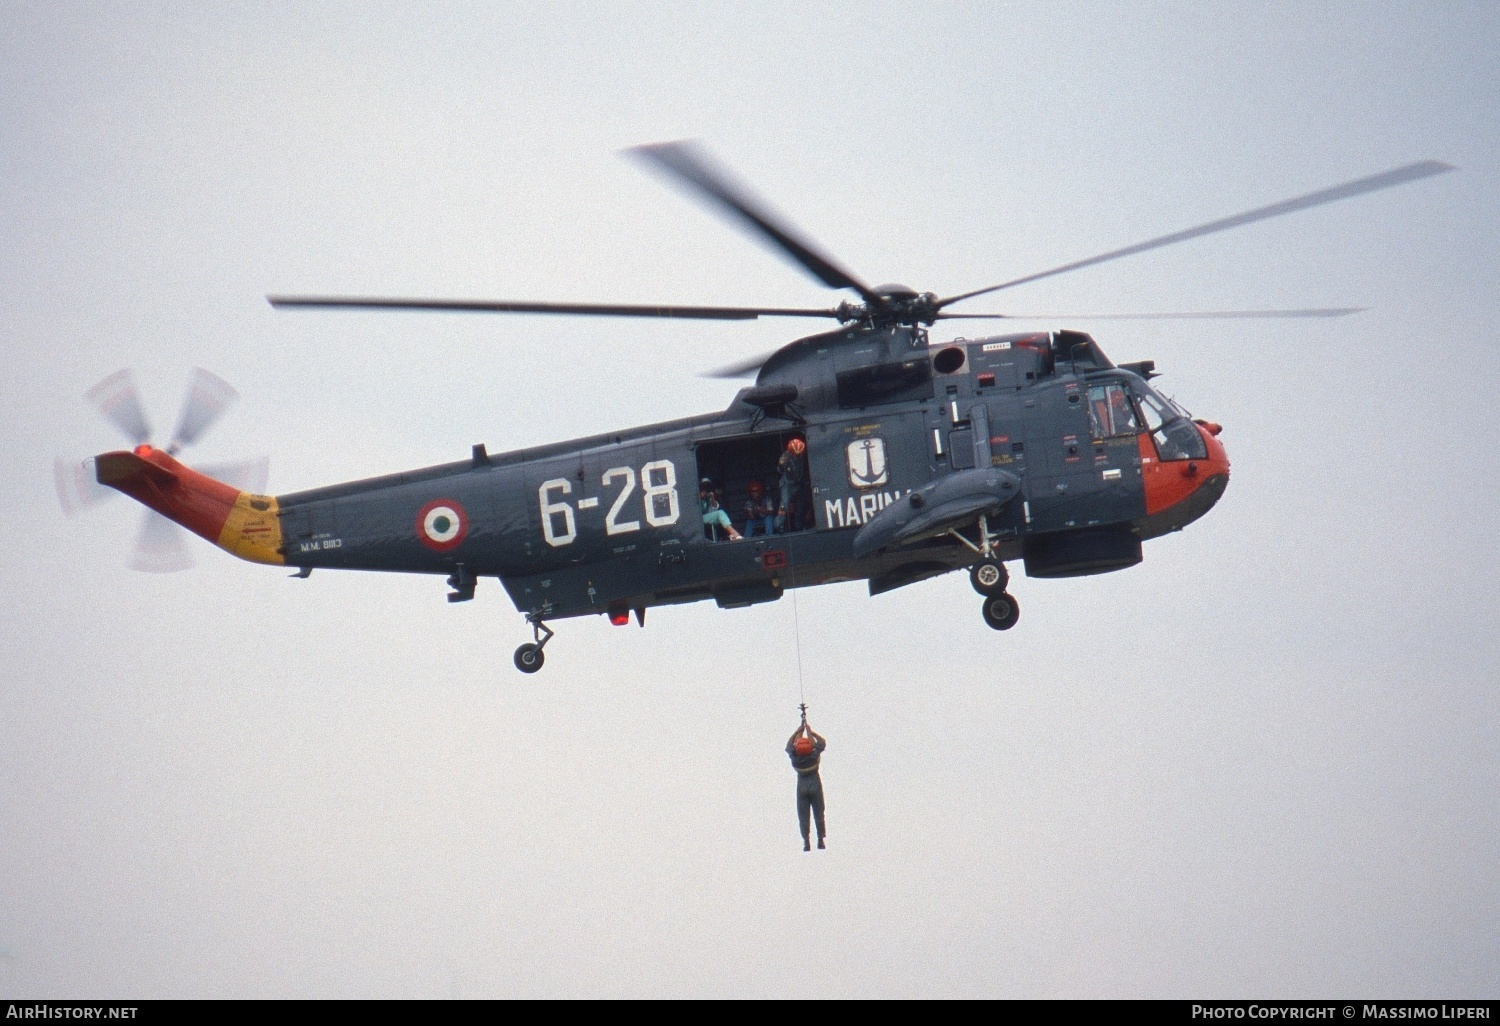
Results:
442 524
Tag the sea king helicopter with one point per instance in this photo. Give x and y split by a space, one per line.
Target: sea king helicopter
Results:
906 458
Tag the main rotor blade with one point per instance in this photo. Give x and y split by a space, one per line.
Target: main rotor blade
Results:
1358 187
690 164
118 399
208 397
697 313
1206 315
741 368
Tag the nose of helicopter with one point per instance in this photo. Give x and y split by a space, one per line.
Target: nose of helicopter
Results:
1180 491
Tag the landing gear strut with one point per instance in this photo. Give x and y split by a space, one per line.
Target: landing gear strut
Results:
990 578
529 657
988 575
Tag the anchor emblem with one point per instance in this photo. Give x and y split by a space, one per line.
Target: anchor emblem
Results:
867 468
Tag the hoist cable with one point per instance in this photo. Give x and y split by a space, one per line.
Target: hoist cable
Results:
797 634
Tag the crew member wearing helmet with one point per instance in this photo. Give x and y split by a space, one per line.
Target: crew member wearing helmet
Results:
760 511
805 747
792 470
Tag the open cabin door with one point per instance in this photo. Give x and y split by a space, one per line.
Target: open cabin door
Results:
732 465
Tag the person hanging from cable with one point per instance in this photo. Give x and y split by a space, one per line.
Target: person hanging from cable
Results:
805 747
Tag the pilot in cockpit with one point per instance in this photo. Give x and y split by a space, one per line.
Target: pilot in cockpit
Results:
1121 413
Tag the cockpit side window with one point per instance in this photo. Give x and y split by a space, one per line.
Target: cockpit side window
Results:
1174 434
1111 413
1151 411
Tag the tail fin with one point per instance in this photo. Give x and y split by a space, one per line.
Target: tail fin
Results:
245 525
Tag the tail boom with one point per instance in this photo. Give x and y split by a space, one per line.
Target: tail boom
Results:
240 523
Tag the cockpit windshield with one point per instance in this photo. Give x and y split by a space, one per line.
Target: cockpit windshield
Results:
1171 426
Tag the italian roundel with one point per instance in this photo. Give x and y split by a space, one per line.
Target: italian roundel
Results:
442 524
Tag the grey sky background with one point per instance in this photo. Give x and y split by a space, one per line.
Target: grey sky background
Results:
1264 762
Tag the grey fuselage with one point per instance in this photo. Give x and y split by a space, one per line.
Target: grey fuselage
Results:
612 522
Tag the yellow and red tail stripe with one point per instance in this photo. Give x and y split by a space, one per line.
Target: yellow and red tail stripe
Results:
238 522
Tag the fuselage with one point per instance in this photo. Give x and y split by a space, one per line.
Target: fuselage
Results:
613 522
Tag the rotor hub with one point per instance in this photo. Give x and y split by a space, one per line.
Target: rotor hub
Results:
897 304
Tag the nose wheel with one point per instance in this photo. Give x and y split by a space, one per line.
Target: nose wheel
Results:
530 657
1001 611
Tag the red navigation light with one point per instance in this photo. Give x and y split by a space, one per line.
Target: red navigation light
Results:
621 618
143 450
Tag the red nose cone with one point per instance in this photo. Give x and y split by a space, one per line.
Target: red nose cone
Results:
1169 482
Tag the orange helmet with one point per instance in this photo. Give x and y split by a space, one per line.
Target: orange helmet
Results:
803 746
796 447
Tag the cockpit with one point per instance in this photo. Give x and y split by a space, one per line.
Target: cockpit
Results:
1128 407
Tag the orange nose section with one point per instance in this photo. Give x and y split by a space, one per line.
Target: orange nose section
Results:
1170 482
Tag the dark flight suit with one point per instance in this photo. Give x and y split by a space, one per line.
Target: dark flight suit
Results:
809 787
791 472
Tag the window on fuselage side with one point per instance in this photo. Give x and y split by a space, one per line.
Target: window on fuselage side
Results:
1111 414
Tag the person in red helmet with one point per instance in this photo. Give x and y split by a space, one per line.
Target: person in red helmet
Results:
791 469
760 511
805 748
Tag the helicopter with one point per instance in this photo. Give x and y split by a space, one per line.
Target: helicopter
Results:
892 459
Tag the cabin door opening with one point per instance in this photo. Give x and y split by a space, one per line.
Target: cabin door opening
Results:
731 464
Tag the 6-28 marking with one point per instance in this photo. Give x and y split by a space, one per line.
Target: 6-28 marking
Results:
659 502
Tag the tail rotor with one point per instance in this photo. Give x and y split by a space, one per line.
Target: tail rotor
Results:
160 545
208 396
117 398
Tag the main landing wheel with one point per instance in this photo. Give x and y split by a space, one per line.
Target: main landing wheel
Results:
529 658
1001 611
989 576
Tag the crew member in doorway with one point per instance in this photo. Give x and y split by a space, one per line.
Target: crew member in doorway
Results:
760 511
714 517
791 468
805 747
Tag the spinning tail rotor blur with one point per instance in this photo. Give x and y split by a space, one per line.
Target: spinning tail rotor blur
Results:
160 545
